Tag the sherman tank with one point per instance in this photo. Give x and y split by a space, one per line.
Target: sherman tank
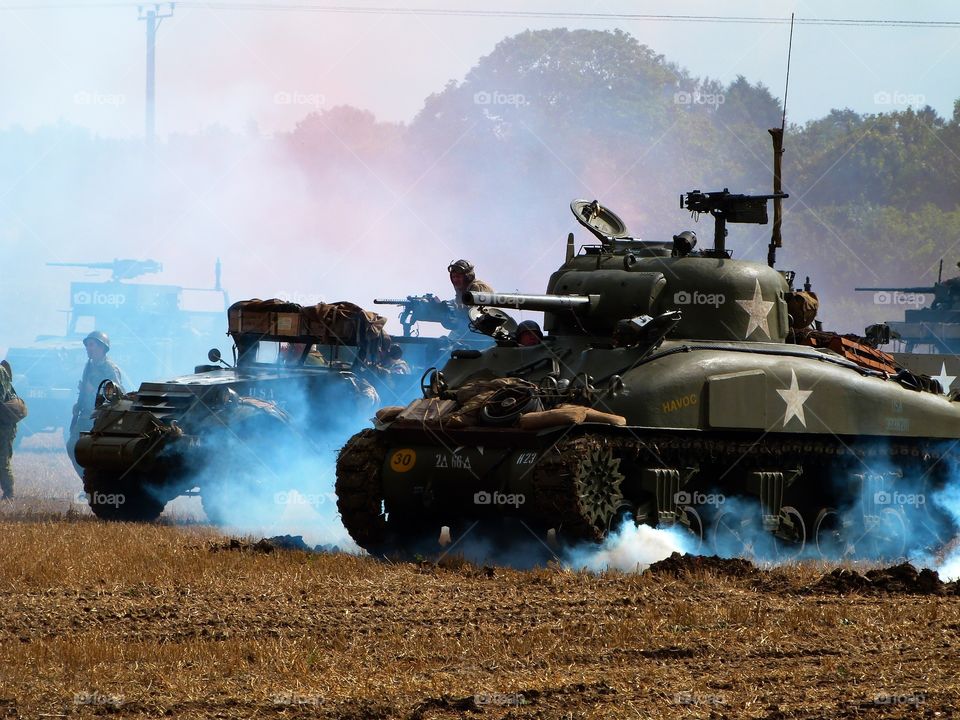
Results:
234 433
674 386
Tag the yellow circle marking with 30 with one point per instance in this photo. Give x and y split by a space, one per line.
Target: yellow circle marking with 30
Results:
403 460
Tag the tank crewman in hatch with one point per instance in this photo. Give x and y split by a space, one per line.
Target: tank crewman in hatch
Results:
12 411
528 334
97 369
464 279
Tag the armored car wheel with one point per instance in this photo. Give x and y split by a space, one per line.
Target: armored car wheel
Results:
128 497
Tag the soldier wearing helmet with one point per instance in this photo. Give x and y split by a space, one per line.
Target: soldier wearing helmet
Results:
97 369
12 411
464 279
528 334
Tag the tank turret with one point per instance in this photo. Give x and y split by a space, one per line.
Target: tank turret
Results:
719 298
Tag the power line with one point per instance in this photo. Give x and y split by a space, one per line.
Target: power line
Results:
520 14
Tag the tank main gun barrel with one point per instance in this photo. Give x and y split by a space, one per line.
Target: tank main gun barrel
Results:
120 269
545 303
897 289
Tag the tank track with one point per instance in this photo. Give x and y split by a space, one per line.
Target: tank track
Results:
557 501
359 490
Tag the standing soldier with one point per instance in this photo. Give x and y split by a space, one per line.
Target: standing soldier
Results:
12 411
97 369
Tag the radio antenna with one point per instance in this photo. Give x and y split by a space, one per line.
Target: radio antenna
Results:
786 86
776 239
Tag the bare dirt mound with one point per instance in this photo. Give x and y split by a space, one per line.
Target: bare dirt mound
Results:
268 545
897 579
678 564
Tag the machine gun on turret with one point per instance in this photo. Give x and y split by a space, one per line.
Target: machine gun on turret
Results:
727 207
120 269
424 308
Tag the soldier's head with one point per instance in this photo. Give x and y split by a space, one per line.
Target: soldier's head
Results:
461 274
97 344
529 334
394 353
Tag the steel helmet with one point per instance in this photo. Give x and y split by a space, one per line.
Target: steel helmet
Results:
100 337
462 266
530 326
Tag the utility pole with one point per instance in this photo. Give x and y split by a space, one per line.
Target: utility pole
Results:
153 18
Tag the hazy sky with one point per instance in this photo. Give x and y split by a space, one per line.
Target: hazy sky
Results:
84 62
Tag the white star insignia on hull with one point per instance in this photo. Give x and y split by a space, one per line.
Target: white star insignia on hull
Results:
946 381
794 397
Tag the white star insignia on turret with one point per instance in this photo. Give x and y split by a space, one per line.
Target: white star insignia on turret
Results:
757 309
945 380
794 397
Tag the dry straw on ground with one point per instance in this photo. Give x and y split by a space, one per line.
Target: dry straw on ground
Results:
142 621
139 621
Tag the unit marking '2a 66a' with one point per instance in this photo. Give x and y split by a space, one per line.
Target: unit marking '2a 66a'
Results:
452 461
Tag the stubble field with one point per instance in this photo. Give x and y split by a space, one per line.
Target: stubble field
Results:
175 619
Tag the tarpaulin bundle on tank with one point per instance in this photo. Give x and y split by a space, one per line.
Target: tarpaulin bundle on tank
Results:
852 348
463 409
339 323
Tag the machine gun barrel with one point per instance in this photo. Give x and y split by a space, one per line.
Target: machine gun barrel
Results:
120 269
390 301
545 303
726 207
897 289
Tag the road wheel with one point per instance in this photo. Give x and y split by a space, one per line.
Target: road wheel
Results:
129 498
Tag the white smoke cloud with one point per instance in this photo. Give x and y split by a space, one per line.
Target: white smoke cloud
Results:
631 548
